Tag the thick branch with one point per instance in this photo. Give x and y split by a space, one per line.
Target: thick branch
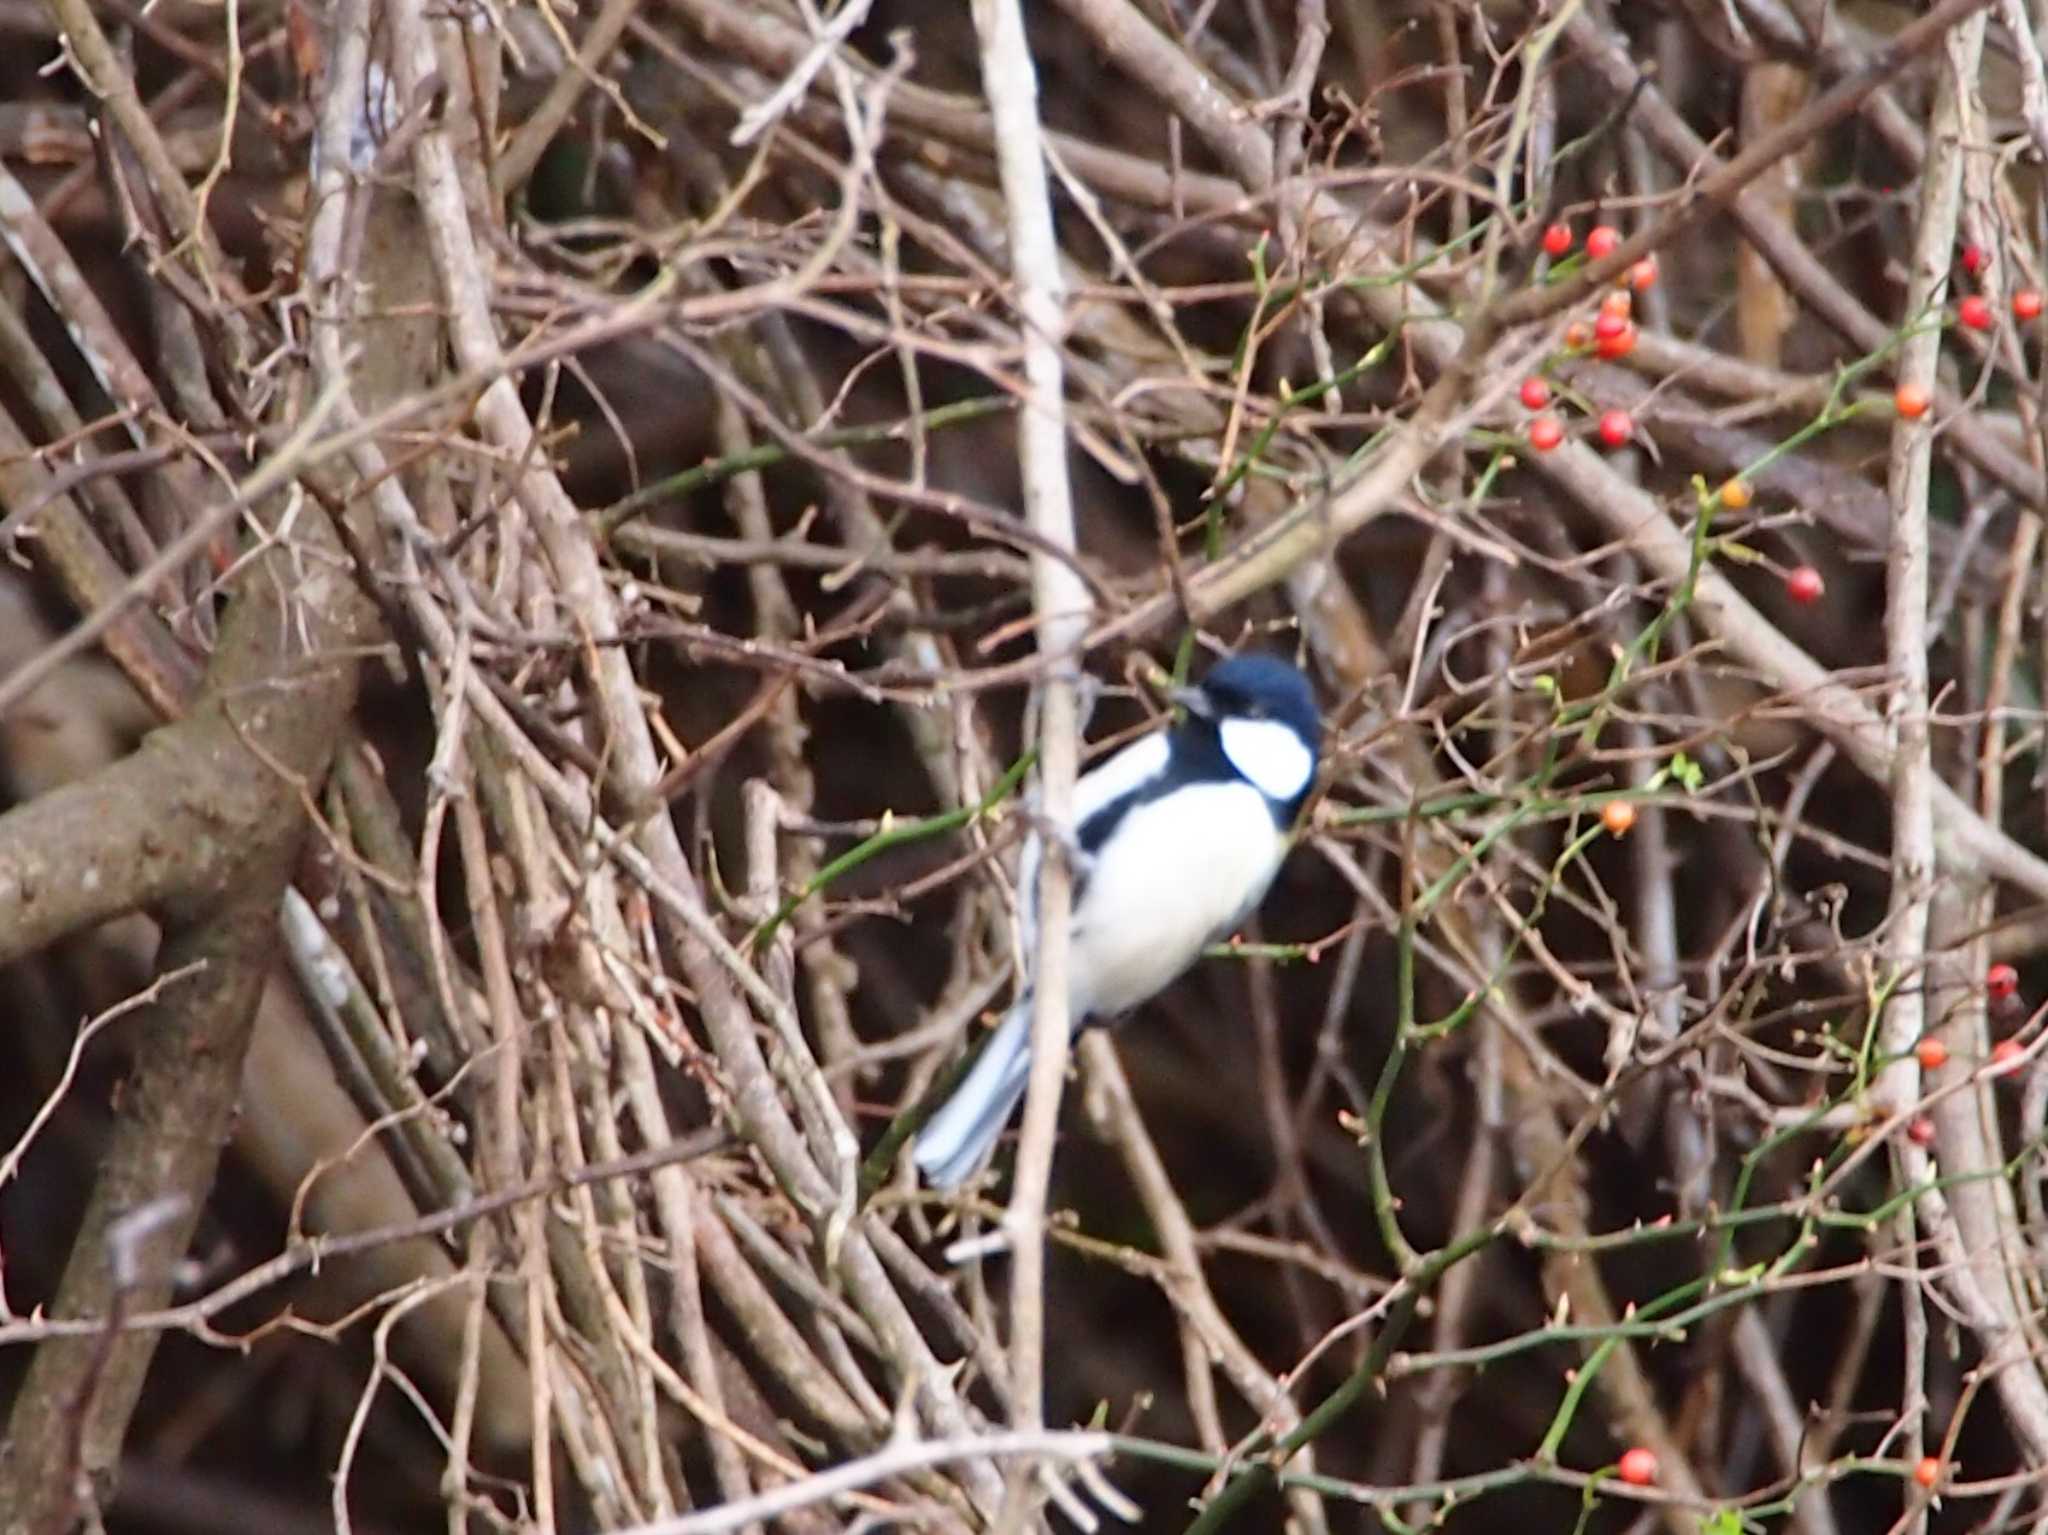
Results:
210 812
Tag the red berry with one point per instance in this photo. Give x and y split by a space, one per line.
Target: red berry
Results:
1602 240
1545 433
1920 1131
1932 1054
1637 1466
2001 981
1804 585
1615 347
1557 239
1616 428
1974 260
2026 304
1928 1471
1535 393
1910 401
1975 311
2005 1057
1643 274
1609 325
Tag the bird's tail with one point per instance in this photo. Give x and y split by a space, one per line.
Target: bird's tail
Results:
956 1140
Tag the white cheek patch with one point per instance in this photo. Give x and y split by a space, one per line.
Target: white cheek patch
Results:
1270 755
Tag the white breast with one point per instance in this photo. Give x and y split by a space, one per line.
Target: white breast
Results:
1122 773
1188 867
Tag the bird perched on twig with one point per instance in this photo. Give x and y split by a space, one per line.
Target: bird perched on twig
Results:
1178 836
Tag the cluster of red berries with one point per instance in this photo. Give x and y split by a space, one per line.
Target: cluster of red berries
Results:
2001 989
2001 985
1546 431
1601 241
1611 336
1974 310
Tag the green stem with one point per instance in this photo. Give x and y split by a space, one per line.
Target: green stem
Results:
895 835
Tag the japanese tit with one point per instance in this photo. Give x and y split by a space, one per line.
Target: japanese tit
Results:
1178 836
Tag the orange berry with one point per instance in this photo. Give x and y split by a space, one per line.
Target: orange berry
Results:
1618 303
1975 311
1928 1471
1601 242
1735 495
1618 816
1643 274
2026 304
1545 433
1578 336
1557 239
2005 1057
1613 348
1637 1466
1910 401
1932 1054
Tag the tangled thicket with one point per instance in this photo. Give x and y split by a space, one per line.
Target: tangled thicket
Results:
553 479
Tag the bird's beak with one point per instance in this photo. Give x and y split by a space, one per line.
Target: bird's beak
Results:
1194 700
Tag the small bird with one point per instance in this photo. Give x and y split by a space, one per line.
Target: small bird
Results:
1178 836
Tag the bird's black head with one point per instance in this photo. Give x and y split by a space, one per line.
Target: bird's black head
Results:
1261 712
1262 687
